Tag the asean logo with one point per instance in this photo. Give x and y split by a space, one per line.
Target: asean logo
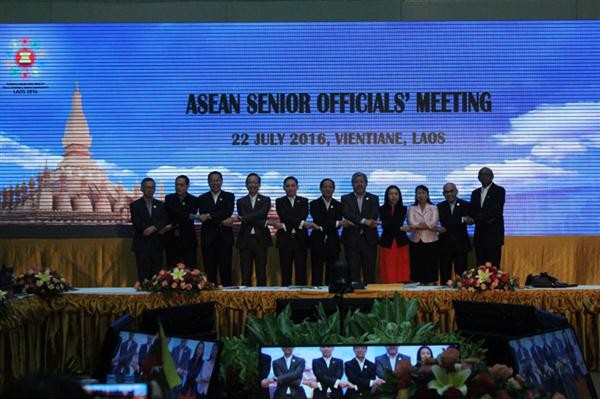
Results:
26 57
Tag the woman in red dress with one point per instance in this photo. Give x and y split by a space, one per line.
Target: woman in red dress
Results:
394 265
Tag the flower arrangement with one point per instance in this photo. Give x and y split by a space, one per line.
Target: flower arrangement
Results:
42 282
180 279
4 303
484 278
446 378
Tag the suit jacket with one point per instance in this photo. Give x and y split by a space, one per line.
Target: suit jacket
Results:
362 379
456 238
382 363
254 218
181 356
428 216
327 376
329 238
264 368
182 231
140 219
127 350
143 353
291 217
489 219
391 224
289 378
212 229
370 210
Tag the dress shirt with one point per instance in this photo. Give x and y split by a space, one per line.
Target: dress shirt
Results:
253 202
484 191
215 196
148 205
288 364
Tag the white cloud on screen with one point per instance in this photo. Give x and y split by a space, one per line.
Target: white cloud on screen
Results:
555 131
31 158
24 156
518 174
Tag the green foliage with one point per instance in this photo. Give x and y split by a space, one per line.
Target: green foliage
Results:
239 367
390 321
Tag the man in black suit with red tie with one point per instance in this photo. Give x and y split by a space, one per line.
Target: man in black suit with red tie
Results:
216 236
329 371
292 232
487 209
254 237
325 240
149 220
181 239
454 242
362 374
360 239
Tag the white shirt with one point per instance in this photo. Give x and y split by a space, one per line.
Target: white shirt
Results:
215 196
252 202
288 364
484 191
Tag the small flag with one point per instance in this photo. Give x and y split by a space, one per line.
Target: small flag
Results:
159 357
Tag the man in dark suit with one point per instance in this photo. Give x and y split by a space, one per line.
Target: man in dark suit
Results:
292 232
360 239
361 373
487 209
216 235
144 348
329 371
180 239
454 242
254 237
264 368
149 220
325 240
389 360
181 355
126 352
288 371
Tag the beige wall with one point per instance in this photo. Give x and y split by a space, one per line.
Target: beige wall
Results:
327 10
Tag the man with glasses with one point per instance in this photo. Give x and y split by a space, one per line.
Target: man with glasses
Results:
454 242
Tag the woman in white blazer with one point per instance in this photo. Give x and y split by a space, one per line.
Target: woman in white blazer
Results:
423 219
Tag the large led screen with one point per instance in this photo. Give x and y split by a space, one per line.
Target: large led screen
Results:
88 110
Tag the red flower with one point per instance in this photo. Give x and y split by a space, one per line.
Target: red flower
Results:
404 381
486 380
452 393
504 278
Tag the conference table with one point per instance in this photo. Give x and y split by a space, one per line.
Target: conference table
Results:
65 333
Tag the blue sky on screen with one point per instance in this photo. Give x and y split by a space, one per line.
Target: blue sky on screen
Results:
542 138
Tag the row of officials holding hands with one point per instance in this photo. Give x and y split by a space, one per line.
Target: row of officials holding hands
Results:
437 236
